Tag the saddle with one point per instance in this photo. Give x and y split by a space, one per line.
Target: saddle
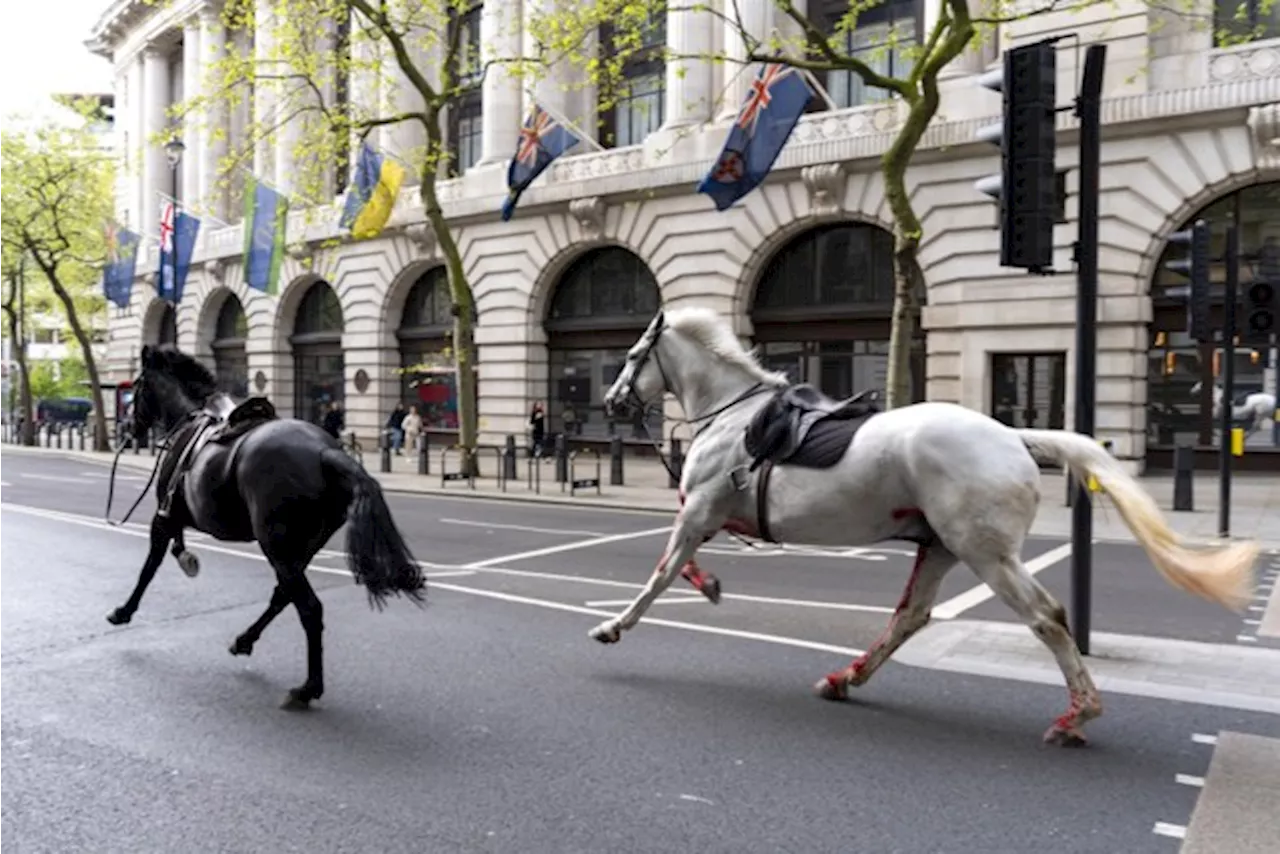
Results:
801 426
248 414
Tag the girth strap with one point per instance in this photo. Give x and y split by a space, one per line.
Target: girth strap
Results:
762 500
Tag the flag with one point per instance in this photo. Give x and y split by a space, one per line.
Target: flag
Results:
265 214
122 255
542 140
777 99
373 193
178 231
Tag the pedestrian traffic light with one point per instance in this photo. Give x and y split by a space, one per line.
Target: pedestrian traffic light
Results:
1026 184
1260 319
1195 266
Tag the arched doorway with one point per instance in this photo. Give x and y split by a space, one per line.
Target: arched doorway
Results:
428 378
1175 363
601 304
168 329
317 353
823 309
230 363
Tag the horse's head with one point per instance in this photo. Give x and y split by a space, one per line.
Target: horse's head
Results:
170 386
642 379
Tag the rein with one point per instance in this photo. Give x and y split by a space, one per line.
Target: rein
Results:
115 462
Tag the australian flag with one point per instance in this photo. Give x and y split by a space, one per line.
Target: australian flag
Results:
178 232
122 254
542 139
777 99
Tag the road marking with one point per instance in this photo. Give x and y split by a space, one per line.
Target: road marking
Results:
1253 622
867 553
5 483
1257 608
568 547
778 640
661 600
975 596
1173 831
529 528
1189 780
631 585
108 477
57 478
1246 639
1201 738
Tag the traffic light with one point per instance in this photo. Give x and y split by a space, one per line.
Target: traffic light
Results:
1195 266
1026 184
1260 317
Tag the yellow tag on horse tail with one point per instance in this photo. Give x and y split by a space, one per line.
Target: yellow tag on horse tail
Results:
1237 441
1092 482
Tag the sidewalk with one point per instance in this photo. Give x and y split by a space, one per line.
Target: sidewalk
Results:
1255 504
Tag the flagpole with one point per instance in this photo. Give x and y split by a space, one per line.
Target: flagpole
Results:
183 206
396 157
555 114
819 88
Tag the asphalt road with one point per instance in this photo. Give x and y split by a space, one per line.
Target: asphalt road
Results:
488 721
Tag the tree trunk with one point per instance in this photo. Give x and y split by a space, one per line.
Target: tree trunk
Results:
906 319
91 365
27 432
464 335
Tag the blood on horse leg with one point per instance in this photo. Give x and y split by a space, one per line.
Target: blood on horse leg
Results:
704 582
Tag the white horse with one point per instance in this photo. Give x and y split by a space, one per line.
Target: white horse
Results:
1257 411
961 485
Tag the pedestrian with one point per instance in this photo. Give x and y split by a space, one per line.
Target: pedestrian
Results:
334 420
412 427
395 426
537 428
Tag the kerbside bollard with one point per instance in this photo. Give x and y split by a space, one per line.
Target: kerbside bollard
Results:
562 458
1184 478
509 470
57 436
83 431
677 463
615 461
424 453
384 444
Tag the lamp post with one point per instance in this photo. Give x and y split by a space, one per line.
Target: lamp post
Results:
173 153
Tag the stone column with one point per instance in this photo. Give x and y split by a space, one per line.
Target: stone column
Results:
155 169
192 157
264 92
756 19
216 120
136 129
690 33
548 89
500 37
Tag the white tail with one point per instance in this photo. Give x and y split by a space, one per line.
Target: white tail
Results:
1221 573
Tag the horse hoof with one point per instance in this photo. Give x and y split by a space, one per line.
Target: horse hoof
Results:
189 563
119 617
1065 737
711 589
830 690
241 647
297 700
606 633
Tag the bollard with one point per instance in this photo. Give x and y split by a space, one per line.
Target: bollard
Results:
562 458
615 461
57 436
1184 465
677 463
48 436
82 432
384 445
509 459
424 454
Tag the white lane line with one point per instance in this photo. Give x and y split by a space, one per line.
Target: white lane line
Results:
568 547
655 621
56 478
1253 622
5 483
1246 639
975 596
1189 780
1257 608
108 477
1173 831
527 528
1201 738
630 585
662 600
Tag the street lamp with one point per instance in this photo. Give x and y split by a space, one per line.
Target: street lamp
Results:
173 153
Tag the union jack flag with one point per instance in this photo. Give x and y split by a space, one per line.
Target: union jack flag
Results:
166 227
761 95
542 140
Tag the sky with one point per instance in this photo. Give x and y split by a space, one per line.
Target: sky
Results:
42 51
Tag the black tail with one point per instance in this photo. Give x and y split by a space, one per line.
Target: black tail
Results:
376 553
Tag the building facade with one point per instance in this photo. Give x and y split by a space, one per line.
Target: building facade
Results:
802 265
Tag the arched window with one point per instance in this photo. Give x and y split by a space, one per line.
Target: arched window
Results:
428 378
823 309
230 362
1177 412
601 304
317 353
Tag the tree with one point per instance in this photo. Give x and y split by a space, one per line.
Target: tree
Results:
57 200
311 64
15 277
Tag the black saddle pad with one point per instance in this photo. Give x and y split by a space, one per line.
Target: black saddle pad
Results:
801 426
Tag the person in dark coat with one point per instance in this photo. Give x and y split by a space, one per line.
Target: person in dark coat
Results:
395 424
334 420
537 427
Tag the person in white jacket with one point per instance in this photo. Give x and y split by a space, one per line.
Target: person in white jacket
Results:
412 426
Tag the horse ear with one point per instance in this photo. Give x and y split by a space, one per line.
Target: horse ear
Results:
147 352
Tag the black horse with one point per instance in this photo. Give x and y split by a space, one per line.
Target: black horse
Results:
241 474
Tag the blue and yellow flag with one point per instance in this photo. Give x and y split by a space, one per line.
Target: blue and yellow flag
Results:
372 194
265 214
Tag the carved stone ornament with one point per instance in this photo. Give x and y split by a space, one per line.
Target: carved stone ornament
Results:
589 213
301 251
1265 123
826 184
149 280
423 237
214 269
260 381
362 381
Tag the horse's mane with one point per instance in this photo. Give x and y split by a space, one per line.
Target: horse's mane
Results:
707 328
196 380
